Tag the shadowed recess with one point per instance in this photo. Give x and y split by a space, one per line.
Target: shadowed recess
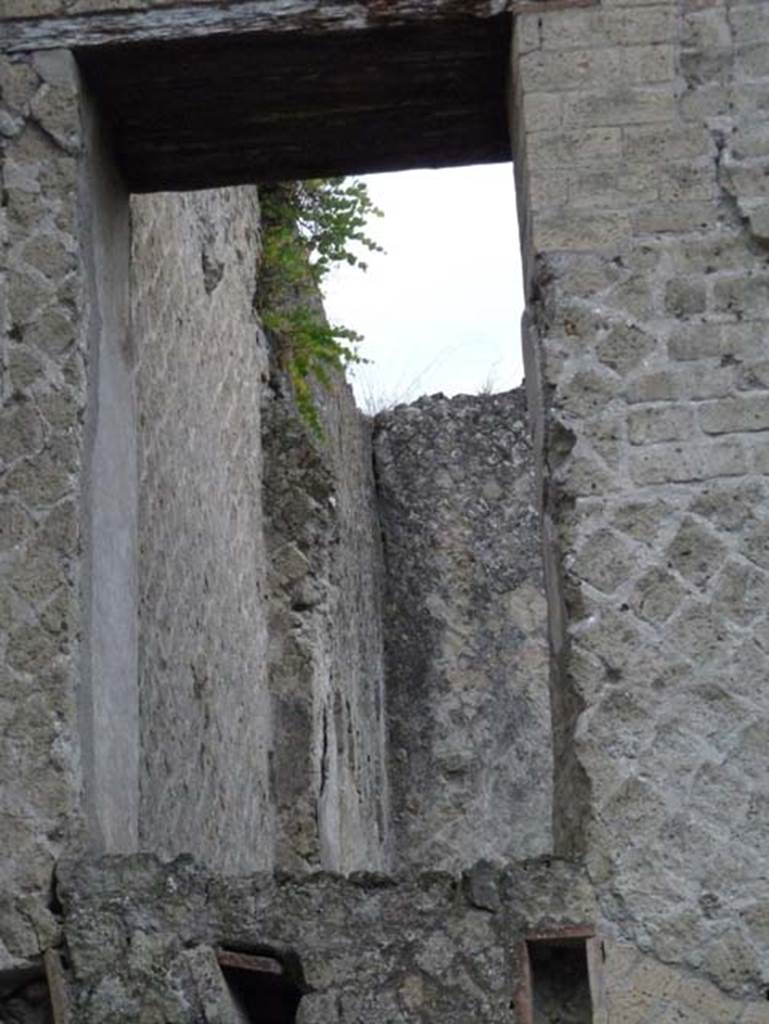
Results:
229 110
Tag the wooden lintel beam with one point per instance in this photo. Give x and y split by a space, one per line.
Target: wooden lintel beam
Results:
193 20
248 962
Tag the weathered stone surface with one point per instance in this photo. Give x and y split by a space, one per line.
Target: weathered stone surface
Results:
369 948
372 948
41 276
467 677
206 725
658 634
326 666
260 577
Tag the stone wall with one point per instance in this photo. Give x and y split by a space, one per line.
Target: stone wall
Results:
642 179
43 347
206 724
641 153
260 625
430 947
436 947
325 661
470 744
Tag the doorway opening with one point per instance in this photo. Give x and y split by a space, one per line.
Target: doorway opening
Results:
561 977
262 989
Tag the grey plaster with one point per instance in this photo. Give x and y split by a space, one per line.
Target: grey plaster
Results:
109 693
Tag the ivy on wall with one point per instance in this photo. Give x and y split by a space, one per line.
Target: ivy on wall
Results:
309 227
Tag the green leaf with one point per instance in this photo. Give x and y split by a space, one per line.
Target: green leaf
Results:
308 228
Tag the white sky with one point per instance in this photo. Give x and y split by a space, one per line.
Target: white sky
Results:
441 309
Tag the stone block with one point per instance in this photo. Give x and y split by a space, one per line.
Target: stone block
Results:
731 959
755 1013
703 104
21 432
54 109
18 84
748 181
562 70
641 520
656 596
586 475
731 506
52 333
604 27
742 593
29 8
541 111
707 255
565 149
528 34
752 141
686 183
750 60
750 23
548 189
706 29
625 347
682 463
700 382
621 106
701 341
663 143
760 457
735 415
611 189
673 1013
28 295
685 297
745 296
696 553
603 561
586 394
37 576
755 544
757 212
578 231
49 255
318 1008
675 218
668 423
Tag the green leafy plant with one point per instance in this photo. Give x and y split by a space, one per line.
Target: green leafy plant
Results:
309 227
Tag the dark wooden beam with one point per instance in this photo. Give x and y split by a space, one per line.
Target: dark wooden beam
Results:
226 110
188 20
249 962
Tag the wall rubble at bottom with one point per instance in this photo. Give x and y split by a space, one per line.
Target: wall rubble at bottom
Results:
435 947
